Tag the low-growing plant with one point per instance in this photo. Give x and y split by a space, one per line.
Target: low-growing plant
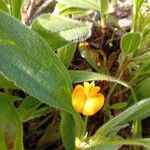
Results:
37 60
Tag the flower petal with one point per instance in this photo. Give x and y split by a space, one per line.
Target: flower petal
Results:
87 87
93 105
93 91
78 98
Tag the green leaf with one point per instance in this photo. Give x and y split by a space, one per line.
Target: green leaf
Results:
58 30
87 4
30 109
103 6
146 31
141 90
89 56
70 11
120 105
138 4
4 83
11 132
141 142
145 37
146 21
82 76
15 7
31 64
71 127
106 147
139 110
66 53
144 58
130 42
3 144
68 131
3 6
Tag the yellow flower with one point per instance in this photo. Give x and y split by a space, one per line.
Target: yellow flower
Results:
87 99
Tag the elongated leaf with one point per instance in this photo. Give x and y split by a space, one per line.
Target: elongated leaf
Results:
68 131
10 125
3 6
139 110
141 90
59 8
120 105
146 31
138 4
130 42
146 21
103 6
145 36
81 76
66 10
71 127
58 30
66 53
31 64
30 109
88 4
3 144
4 83
141 142
106 147
15 7
144 58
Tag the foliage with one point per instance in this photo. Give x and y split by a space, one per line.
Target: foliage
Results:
37 60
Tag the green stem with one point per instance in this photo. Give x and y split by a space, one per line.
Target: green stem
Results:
134 96
111 91
134 16
107 111
103 22
85 126
136 126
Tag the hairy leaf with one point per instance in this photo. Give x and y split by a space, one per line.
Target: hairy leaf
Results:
139 110
130 42
66 53
31 64
87 4
30 109
3 6
68 131
141 142
81 76
143 59
66 10
4 83
141 89
58 30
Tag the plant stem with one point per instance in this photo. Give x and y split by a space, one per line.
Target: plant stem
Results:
85 126
136 126
134 18
108 113
111 91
